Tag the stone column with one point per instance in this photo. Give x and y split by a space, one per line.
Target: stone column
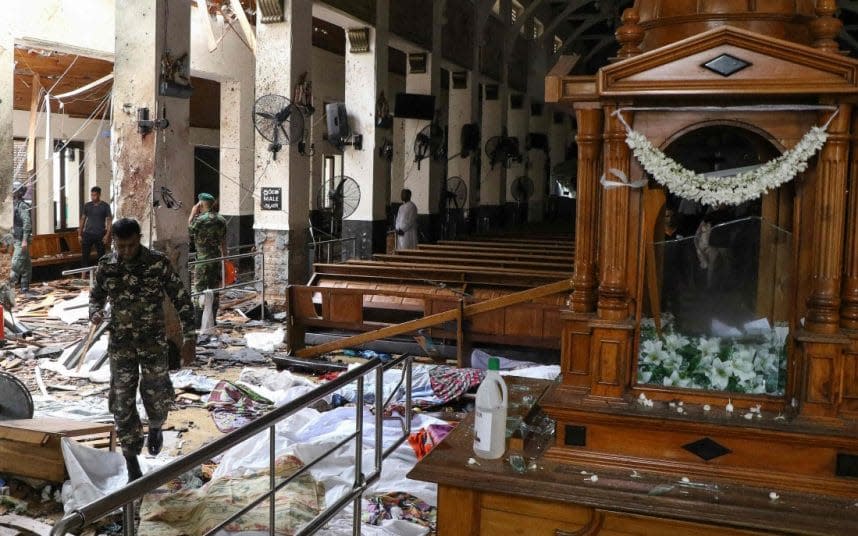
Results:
492 178
283 54
425 182
614 220
518 120
7 85
366 78
589 118
236 159
459 115
849 310
823 315
538 168
149 168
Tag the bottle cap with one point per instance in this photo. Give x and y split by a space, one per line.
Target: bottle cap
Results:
494 363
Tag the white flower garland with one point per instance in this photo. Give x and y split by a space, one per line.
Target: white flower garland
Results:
733 190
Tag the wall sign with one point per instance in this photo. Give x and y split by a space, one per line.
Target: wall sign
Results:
272 198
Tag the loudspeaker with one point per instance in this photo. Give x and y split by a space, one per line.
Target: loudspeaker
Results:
338 122
414 106
470 139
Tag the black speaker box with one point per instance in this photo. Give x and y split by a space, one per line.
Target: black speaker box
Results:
338 122
414 106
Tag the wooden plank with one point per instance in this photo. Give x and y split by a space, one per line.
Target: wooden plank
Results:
31 129
245 24
488 262
205 19
436 319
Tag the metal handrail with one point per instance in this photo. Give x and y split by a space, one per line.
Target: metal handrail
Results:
317 246
75 271
260 279
124 498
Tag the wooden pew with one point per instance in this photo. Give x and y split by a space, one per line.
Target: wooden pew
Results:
481 262
54 249
354 295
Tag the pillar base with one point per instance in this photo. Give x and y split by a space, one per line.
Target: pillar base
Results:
371 236
286 261
428 228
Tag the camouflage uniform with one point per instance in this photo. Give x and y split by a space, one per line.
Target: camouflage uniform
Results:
22 229
138 340
208 231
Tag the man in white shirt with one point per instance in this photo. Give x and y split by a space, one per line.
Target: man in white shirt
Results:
406 223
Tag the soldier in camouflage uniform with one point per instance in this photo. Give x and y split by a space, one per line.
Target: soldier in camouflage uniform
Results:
22 232
207 228
135 279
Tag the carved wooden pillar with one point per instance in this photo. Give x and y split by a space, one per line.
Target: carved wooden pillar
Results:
589 138
826 27
614 220
829 222
849 296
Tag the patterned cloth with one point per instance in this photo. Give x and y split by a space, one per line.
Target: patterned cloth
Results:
449 383
192 512
425 439
399 505
138 341
233 407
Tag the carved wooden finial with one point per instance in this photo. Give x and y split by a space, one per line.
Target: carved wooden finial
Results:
826 26
630 35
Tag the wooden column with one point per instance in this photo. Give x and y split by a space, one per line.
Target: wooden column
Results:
614 221
849 296
829 222
589 139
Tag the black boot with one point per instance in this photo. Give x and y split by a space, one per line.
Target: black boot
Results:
133 467
155 441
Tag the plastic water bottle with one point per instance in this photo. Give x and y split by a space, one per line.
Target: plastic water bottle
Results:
490 415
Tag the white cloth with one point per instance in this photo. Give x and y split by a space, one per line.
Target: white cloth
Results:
406 221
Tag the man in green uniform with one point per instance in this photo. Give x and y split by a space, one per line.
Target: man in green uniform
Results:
22 232
135 279
207 228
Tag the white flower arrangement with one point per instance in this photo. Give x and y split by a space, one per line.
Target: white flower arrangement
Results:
757 365
733 190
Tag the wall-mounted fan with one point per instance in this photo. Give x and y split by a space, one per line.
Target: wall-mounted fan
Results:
454 197
340 200
455 193
503 150
278 121
522 189
430 143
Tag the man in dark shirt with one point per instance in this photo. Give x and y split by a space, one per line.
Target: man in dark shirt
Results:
94 229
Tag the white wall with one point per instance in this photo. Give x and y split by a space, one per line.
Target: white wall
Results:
96 159
329 82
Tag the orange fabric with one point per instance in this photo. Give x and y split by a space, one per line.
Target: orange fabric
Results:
230 273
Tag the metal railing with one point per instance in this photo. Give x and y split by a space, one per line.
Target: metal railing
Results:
238 284
90 269
333 250
125 497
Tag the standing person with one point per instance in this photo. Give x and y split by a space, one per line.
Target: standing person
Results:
94 229
22 232
406 222
208 230
135 280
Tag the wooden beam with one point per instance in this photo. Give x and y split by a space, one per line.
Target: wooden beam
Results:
438 318
571 7
205 18
36 90
245 24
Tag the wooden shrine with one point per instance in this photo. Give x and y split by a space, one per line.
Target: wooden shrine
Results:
694 460
781 55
